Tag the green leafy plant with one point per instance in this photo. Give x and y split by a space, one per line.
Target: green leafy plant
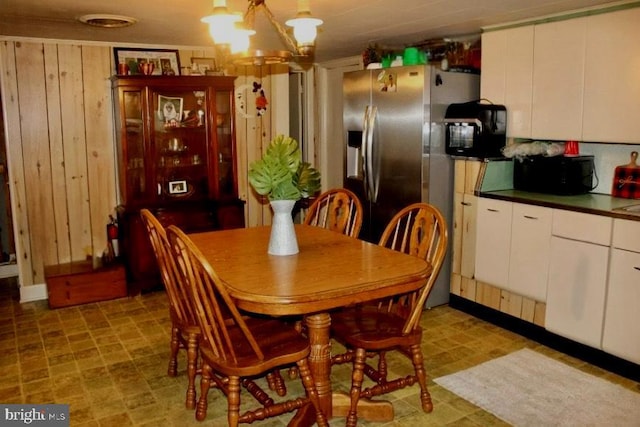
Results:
281 174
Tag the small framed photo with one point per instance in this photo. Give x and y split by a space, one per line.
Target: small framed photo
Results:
203 66
170 109
177 187
165 61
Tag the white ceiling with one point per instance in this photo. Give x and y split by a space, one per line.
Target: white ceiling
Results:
349 25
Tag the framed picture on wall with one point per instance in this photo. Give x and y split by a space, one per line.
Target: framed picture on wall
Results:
166 61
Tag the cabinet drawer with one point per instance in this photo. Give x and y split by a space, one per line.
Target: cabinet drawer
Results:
580 226
67 285
626 235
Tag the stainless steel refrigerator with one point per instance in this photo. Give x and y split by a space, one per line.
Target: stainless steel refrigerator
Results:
395 145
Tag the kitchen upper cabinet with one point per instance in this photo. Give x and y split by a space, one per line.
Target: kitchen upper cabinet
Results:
612 82
558 79
507 75
619 336
570 79
529 257
576 289
493 241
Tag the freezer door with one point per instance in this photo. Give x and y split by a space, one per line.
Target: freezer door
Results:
397 130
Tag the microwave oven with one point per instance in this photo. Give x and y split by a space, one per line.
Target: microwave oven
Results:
474 129
559 175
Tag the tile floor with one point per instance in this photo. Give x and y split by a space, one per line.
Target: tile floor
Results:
108 361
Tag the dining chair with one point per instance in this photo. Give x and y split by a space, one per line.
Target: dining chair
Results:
185 331
238 348
338 209
373 329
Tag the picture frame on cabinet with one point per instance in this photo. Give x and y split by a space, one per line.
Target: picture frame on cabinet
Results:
166 61
178 187
203 66
170 109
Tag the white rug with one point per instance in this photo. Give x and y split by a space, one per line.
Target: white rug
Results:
526 388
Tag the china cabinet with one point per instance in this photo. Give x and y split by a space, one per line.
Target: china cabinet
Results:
176 156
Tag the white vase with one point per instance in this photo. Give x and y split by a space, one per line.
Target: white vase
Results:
283 235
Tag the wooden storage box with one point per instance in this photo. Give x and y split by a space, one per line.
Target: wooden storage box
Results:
79 283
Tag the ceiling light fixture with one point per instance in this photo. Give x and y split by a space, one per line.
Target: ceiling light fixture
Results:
107 21
229 29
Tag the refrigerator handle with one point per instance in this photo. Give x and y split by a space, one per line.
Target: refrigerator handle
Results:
363 152
370 176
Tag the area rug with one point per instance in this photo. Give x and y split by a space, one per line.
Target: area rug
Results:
526 388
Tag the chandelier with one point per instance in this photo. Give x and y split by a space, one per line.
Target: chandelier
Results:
233 30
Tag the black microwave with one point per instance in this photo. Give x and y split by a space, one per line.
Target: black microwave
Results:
474 129
554 175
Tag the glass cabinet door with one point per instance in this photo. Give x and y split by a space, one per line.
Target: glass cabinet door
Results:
134 161
180 134
224 132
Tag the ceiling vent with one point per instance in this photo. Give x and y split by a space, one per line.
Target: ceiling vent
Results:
107 21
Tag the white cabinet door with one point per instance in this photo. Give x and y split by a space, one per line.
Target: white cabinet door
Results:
494 60
493 238
558 79
576 290
622 318
507 75
530 240
612 86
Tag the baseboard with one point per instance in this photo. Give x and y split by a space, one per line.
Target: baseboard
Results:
33 293
580 351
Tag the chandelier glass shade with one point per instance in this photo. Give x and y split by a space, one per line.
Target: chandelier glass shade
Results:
234 30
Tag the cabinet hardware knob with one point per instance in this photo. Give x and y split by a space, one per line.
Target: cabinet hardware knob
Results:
637 268
530 217
465 203
493 210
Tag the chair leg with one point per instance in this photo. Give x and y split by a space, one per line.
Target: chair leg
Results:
418 364
276 382
192 362
174 346
205 384
356 386
382 366
233 401
312 394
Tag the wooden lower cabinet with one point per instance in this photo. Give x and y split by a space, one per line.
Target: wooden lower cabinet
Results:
135 248
79 283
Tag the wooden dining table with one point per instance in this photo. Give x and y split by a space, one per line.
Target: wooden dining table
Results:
330 271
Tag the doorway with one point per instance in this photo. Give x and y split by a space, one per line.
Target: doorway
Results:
8 267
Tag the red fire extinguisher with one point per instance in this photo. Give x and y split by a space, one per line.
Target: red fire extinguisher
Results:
112 235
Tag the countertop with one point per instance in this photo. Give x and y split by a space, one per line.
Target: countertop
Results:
591 203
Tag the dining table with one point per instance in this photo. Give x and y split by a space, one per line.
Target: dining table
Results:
329 272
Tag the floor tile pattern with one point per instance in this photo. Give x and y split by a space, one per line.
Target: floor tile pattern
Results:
108 360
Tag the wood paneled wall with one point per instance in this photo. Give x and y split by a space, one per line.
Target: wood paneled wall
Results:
60 146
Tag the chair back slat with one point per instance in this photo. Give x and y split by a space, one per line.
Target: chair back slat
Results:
177 291
337 210
419 230
216 312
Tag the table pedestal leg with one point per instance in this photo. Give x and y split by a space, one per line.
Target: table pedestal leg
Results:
320 358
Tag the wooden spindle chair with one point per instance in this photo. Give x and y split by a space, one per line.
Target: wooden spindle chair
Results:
338 210
185 331
393 324
236 349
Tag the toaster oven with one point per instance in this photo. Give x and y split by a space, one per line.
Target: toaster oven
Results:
474 129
